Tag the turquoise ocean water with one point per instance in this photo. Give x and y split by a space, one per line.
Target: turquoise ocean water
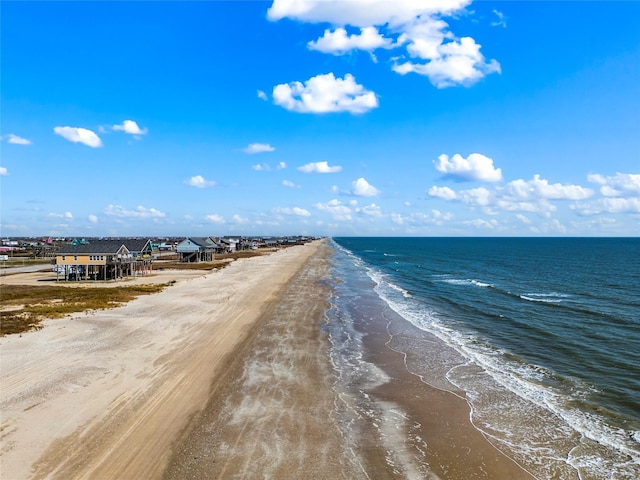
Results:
542 335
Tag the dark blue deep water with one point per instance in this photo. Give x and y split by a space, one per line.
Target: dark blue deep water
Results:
552 323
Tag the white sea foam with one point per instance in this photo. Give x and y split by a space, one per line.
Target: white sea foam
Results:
405 294
550 294
550 297
466 281
355 377
529 382
542 300
617 450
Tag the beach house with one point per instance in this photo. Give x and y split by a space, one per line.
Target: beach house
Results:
103 259
198 249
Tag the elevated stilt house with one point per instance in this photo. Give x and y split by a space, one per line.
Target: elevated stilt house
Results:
198 249
104 259
141 250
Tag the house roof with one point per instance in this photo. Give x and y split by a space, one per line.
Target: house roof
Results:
135 244
205 242
105 247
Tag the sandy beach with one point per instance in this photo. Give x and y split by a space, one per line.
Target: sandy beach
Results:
226 374
106 394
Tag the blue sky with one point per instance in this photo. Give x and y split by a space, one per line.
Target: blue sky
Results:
363 117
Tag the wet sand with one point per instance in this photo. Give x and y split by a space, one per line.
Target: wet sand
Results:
439 420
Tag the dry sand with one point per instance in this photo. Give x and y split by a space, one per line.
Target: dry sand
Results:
108 394
48 277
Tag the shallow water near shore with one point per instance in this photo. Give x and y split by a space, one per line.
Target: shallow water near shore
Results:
539 336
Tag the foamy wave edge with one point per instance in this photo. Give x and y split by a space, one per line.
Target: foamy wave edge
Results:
585 424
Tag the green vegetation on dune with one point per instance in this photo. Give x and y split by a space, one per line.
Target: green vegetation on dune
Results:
24 307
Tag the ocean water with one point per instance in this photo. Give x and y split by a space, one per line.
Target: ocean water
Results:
541 334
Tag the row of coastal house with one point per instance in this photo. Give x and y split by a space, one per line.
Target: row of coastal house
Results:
110 259
204 249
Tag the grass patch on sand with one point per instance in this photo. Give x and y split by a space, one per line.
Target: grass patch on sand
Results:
24 262
22 307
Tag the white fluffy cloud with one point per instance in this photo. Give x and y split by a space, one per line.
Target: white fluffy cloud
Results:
501 20
372 210
319 167
214 218
444 193
339 42
417 26
540 206
325 94
480 196
397 218
79 135
262 95
65 215
420 219
609 205
539 188
130 127
290 184
481 223
93 218
258 148
533 196
438 215
265 167
620 194
361 13
477 197
334 207
362 188
458 62
620 185
295 211
238 220
476 167
16 140
4 172
139 212
199 182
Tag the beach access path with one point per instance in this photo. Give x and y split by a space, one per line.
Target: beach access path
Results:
106 394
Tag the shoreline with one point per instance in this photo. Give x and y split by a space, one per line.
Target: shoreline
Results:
228 374
455 448
405 427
